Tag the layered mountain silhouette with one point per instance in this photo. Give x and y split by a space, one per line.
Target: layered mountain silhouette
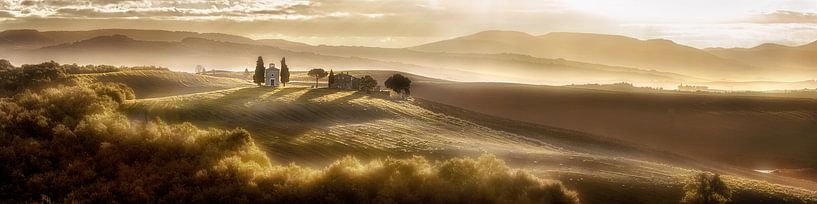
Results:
659 54
187 52
504 56
22 39
35 39
789 61
227 52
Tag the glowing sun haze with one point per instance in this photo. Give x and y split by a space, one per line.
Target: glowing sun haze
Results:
399 23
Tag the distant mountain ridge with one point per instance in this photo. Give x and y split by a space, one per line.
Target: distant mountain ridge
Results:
553 58
34 39
657 54
790 61
189 52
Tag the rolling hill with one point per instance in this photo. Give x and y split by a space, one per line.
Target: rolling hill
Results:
658 54
754 132
314 126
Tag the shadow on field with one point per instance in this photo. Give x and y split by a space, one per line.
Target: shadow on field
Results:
274 122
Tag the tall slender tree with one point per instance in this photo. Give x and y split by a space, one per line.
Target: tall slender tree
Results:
284 72
331 78
258 78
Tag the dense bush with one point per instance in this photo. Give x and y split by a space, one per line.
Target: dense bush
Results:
49 74
482 180
5 64
706 188
115 91
399 83
13 79
69 144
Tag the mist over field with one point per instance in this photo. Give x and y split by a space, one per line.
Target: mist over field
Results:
408 102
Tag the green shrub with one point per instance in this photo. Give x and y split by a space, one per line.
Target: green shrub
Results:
706 188
482 180
13 80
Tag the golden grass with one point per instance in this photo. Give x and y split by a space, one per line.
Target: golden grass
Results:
159 83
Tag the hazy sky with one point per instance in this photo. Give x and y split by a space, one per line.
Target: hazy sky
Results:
392 23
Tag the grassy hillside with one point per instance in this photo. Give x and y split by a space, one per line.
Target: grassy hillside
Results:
315 126
158 83
753 132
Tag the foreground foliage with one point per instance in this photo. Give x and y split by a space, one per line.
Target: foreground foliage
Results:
706 188
49 74
70 144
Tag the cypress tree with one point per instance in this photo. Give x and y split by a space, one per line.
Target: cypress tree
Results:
258 78
331 79
284 72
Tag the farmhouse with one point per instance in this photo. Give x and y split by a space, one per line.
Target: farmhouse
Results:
345 81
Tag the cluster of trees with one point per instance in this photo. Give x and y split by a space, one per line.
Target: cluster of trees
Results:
367 83
50 74
200 69
37 76
396 82
69 144
400 84
5 64
92 69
